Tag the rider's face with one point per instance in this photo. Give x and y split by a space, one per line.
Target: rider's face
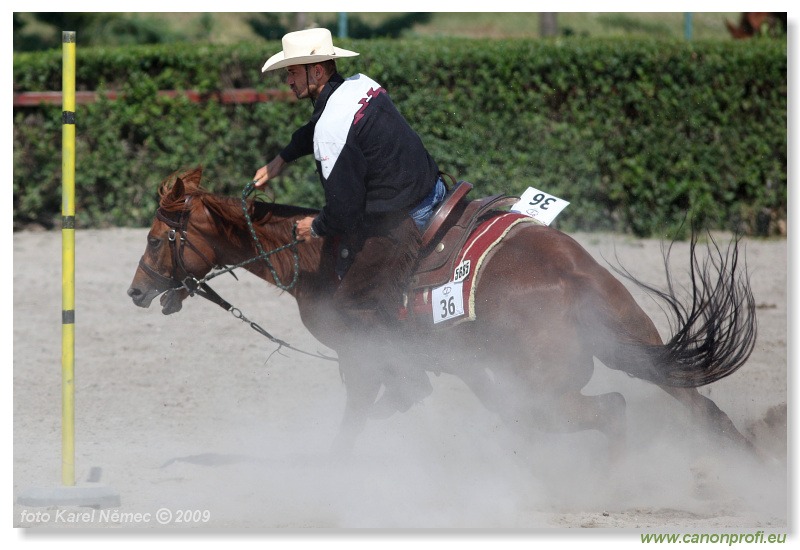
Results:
296 79
305 80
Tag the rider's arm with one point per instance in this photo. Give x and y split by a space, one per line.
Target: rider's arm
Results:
302 144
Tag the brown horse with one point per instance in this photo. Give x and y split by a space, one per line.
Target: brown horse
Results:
545 308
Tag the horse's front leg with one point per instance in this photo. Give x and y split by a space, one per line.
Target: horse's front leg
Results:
362 387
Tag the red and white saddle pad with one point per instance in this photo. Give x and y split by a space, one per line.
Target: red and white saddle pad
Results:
454 302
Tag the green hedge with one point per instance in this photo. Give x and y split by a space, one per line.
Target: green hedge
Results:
633 133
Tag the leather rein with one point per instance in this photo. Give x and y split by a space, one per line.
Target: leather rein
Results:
180 278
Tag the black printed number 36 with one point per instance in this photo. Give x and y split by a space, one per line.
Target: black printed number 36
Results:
542 200
448 307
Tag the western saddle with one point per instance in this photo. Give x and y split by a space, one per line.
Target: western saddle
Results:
448 230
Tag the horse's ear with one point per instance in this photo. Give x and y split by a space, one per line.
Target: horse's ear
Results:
178 190
192 177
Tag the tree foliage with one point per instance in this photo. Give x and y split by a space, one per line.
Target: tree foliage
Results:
635 134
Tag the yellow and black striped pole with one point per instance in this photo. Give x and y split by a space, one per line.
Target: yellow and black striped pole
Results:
68 261
69 493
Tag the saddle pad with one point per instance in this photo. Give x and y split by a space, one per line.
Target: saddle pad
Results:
454 302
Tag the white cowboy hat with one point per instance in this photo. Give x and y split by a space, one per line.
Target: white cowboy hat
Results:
302 47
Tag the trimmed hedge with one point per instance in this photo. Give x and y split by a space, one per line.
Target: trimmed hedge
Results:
634 134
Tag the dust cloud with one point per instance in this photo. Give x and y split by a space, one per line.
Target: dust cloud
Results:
186 412
448 463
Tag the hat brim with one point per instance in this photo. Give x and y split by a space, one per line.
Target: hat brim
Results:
278 61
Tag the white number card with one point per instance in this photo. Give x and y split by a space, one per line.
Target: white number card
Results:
447 301
539 205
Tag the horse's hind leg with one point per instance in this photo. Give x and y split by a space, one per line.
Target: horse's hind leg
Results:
575 412
714 418
561 372
543 390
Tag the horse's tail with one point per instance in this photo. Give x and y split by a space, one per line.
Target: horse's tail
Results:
713 335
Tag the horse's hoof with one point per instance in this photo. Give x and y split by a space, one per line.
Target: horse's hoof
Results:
383 409
401 395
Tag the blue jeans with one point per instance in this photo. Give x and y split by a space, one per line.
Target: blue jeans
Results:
424 210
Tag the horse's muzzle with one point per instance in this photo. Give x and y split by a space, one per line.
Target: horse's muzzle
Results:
171 300
142 298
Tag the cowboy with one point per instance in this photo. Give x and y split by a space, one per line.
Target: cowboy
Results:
381 185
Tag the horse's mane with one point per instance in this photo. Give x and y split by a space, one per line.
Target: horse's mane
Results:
228 210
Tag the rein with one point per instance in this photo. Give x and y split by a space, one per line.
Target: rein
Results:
200 286
265 255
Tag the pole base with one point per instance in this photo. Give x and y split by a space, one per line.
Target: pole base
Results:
93 495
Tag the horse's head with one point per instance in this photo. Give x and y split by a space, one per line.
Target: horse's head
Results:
175 256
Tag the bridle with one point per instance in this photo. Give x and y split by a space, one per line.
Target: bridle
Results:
178 240
181 279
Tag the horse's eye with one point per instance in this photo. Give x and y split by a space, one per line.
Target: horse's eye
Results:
153 242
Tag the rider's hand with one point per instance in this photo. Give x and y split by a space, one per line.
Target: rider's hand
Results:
303 230
261 177
269 171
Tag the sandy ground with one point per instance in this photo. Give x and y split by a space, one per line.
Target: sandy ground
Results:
192 414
